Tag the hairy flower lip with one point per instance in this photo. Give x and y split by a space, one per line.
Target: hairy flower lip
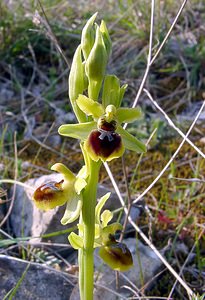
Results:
48 190
104 144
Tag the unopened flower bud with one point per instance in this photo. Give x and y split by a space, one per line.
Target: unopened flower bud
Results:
88 36
106 38
96 65
77 82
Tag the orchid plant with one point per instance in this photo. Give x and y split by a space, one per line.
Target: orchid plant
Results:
96 101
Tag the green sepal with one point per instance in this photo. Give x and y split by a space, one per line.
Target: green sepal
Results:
61 168
77 131
75 240
73 208
111 91
88 36
76 82
99 207
128 115
90 107
106 37
130 142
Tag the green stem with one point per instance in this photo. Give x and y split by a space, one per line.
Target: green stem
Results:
88 214
81 266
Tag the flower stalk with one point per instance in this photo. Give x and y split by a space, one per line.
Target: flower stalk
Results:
88 218
102 138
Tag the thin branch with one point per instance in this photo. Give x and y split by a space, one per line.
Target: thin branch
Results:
189 291
169 32
169 267
172 158
148 58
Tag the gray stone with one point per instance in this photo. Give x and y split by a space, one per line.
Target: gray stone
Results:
39 282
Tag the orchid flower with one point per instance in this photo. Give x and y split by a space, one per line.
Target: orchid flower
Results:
115 254
104 138
68 190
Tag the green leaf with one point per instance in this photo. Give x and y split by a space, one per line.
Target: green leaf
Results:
128 115
73 209
99 207
77 131
75 240
130 142
90 107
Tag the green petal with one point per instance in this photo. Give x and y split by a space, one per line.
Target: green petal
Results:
130 142
90 107
73 209
106 217
77 131
75 240
128 115
99 206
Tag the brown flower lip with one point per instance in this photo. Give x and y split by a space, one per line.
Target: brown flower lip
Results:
104 143
47 191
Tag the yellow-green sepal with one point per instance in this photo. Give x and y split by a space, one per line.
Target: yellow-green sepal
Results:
90 107
77 131
130 142
128 115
